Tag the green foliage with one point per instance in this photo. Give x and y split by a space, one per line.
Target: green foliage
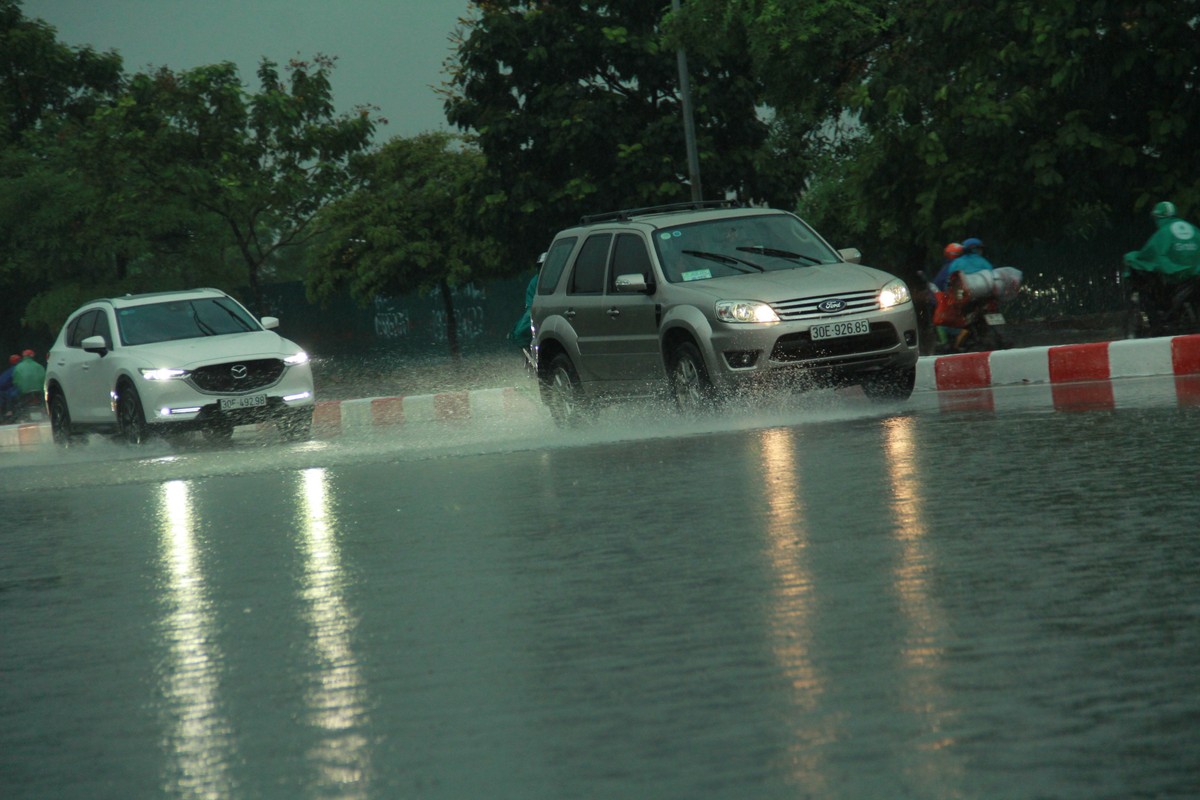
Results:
576 107
412 225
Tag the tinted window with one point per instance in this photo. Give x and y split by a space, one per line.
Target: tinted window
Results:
81 328
629 258
588 277
556 259
101 329
183 319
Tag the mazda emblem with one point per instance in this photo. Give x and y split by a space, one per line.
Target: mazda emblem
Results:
238 371
831 305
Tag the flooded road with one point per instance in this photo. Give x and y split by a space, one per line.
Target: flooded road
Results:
835 600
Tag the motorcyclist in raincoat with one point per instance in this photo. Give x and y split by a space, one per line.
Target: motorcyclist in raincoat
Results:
1173 252
972 259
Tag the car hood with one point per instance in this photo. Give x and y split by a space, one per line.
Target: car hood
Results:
789 284
191 353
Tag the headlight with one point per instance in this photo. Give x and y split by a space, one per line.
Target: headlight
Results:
894 294
745 311
299 358
163 374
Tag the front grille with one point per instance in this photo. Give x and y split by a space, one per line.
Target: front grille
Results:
260 373
801 347
806 307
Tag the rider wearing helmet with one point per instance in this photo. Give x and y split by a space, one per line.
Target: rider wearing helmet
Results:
1173 252
972 259
949 253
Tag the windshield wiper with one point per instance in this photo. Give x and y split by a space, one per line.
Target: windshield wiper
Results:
724 259
771 251
207 331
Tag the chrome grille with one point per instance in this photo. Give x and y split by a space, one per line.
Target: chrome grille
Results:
806 307
259 373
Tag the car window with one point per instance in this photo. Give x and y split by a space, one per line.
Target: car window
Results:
629 258
739 246
183 319
81 328
588 275
556 260
100 328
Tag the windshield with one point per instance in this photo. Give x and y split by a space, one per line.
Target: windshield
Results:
739 245
183 319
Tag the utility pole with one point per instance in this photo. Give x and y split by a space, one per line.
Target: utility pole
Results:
689 125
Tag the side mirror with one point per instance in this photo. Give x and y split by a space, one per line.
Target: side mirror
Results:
95 344
850 255
270 323
632 284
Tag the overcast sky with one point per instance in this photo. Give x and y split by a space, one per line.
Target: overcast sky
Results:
390 53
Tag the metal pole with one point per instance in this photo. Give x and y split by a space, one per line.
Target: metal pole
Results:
689 125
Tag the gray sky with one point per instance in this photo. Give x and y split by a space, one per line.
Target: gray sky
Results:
389 52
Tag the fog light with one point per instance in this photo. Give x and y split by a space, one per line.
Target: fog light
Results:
910 338
168 412
741 359
294 397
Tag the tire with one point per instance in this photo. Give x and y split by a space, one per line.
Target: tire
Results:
296 426
689 383
60 422
895 383
131 419
561 392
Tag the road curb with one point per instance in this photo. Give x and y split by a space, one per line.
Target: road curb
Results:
1079 375
332 418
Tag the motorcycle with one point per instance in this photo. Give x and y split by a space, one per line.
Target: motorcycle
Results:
29 407
1157 308
971 303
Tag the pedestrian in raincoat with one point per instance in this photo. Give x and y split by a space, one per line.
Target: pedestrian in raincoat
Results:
1173 252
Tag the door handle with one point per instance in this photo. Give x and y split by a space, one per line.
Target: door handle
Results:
614 312
569 313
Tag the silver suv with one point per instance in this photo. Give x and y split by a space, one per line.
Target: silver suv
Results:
173 362
705 299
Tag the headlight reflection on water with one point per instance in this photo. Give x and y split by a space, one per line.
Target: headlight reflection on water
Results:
199 737
337 697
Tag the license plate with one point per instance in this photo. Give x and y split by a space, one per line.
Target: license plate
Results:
834 330
249 401
994 319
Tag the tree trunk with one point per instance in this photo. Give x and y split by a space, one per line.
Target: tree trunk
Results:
451 322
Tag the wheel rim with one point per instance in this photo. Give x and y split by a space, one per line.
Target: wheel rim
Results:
132 425
563 391
689 390
60 420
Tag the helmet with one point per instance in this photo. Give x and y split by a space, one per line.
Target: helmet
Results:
28 354
952 251
972 244
1164 209
14 358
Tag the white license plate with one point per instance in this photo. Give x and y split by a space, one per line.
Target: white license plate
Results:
249 401
834 330
994 319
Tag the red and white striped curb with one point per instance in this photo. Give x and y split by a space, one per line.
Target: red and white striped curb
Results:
333 417
1077 375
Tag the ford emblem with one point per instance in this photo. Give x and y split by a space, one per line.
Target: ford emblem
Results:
831 305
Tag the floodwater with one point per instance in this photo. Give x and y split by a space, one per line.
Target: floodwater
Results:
827 600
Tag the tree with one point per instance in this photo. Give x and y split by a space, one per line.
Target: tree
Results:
412 226
261 165
575 106
1012 119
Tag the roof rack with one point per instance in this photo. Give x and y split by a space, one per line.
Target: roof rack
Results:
629 213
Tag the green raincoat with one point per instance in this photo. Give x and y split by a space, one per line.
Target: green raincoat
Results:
1173 251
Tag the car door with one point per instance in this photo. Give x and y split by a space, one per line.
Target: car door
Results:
81 374
631 348
585 307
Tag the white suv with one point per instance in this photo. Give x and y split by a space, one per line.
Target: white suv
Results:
173 362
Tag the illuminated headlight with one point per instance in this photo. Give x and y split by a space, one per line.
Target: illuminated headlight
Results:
163 374
745 311
894 294
297 359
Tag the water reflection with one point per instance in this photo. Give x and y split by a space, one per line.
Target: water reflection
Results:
337 695
922 655
791 606
199 739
